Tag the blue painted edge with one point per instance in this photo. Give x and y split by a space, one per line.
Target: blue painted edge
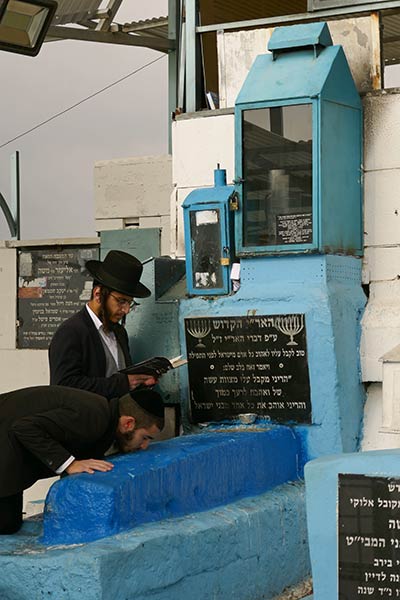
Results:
208 195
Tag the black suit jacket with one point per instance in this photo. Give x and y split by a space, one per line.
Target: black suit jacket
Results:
77 358
41 427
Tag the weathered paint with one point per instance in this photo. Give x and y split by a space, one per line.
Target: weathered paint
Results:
299 75
244 550
172 478
322 502
300 36
214 199
317 74
327 290
359 37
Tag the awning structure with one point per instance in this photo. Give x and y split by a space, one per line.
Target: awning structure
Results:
86 20
74 11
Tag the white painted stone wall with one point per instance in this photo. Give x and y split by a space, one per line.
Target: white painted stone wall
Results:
134 193
381 321
199 143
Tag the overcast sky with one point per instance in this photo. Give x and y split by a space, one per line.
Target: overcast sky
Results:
130 119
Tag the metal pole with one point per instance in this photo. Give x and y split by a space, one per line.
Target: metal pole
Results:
191 83
174 18
16 193
9 218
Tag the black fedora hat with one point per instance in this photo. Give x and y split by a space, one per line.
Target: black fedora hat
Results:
120 272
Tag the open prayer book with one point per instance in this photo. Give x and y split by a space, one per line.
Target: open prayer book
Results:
155 366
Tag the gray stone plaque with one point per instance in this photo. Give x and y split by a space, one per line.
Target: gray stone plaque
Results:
53 284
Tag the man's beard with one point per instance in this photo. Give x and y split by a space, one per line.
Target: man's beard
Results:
122 440
105 316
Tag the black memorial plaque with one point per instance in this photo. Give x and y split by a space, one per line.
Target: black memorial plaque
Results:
294 228
52 285
248 365
369 537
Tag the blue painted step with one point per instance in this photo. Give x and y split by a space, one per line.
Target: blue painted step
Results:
247 550
170 479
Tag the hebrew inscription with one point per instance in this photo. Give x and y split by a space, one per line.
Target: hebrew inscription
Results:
369 537
248 365
294 228
52 285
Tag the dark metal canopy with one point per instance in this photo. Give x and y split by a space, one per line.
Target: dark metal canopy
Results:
99 25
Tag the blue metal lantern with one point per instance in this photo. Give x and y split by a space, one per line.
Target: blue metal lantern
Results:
298 127
208 223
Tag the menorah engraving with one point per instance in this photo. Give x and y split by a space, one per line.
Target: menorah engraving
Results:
290 325
199 329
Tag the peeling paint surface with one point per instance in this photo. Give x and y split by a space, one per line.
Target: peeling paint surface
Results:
235 551
172 478
327 290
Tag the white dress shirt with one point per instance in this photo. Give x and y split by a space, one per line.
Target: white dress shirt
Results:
108 337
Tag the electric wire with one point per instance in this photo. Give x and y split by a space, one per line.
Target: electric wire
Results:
62 112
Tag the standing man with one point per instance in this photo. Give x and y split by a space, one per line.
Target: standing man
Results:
49 430
89 348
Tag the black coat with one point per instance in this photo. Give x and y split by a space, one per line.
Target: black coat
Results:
41 427
77 358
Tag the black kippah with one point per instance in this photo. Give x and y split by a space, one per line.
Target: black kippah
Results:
149 400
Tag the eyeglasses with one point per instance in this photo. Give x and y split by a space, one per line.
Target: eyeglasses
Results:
123 303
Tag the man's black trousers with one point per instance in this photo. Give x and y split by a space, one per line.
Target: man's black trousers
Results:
10 513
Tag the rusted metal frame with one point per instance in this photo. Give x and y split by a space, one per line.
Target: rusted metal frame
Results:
303 17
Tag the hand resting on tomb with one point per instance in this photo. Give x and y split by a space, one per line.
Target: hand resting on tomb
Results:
89 465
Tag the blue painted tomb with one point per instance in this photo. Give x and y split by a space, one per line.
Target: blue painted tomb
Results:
171 479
